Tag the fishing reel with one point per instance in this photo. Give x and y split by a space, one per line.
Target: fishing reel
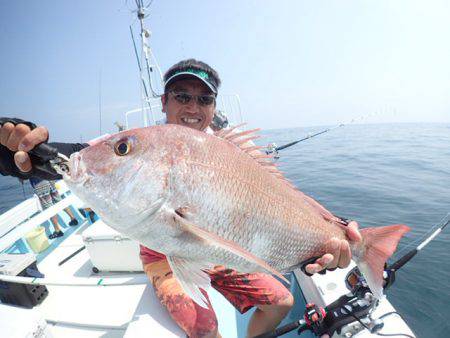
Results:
219 121
272 148
351 313
338 317
348 315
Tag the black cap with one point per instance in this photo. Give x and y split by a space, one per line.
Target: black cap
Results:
193 68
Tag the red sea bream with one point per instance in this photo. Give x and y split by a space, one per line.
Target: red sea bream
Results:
206 200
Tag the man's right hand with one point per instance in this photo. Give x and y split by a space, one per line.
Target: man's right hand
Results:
21 139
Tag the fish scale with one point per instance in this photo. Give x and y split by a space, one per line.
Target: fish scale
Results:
270 202
203 200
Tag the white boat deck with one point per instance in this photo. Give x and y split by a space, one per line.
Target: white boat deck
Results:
134 310
113 311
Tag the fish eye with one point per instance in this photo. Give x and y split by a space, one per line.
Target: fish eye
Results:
122 147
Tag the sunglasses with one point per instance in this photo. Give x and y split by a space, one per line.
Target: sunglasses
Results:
185 98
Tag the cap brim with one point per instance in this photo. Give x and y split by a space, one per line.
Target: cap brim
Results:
186 75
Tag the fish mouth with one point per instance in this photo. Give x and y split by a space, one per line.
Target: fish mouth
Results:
77 173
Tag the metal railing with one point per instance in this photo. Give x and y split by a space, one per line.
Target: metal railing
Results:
151 114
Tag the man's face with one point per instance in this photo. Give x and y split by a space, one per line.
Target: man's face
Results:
191 114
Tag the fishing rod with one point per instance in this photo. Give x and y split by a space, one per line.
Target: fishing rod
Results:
272 148
394 267
358 305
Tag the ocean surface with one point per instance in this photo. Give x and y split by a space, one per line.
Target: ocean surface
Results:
376 175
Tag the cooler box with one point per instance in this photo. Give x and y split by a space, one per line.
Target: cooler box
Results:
20 294
109 250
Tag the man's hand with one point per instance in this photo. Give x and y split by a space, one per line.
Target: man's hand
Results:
339 254
21 139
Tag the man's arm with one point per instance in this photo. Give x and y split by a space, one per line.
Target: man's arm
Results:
17 139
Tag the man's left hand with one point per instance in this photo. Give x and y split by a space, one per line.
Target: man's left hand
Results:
338 251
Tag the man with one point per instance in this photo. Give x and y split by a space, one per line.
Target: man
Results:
189 100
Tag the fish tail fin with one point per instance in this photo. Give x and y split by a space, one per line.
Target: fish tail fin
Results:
379 244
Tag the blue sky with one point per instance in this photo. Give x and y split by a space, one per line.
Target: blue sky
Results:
293 63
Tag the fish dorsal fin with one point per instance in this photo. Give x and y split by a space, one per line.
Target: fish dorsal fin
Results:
243 140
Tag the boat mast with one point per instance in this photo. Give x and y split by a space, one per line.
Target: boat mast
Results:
149 70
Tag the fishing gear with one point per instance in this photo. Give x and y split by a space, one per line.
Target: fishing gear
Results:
391 269
47 162
358 305
330 319
272 148
219 121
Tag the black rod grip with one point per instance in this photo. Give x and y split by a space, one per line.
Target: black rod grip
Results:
280 331
402 261
44 152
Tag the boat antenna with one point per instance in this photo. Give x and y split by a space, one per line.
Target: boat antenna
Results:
272 148
149 70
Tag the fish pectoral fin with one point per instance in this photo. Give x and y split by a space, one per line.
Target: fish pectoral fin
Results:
225 244
192 278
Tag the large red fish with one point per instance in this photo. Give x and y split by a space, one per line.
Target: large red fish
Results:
206 200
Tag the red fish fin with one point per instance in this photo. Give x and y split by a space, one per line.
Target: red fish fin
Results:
241 134
242 139
250 149
380 243
226 245
224 132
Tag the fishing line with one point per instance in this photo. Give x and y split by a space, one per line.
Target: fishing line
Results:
379 333
434 228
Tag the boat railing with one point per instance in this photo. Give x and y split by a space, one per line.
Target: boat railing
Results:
147 115
17 215
92 281
151 114
19 225
230 104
